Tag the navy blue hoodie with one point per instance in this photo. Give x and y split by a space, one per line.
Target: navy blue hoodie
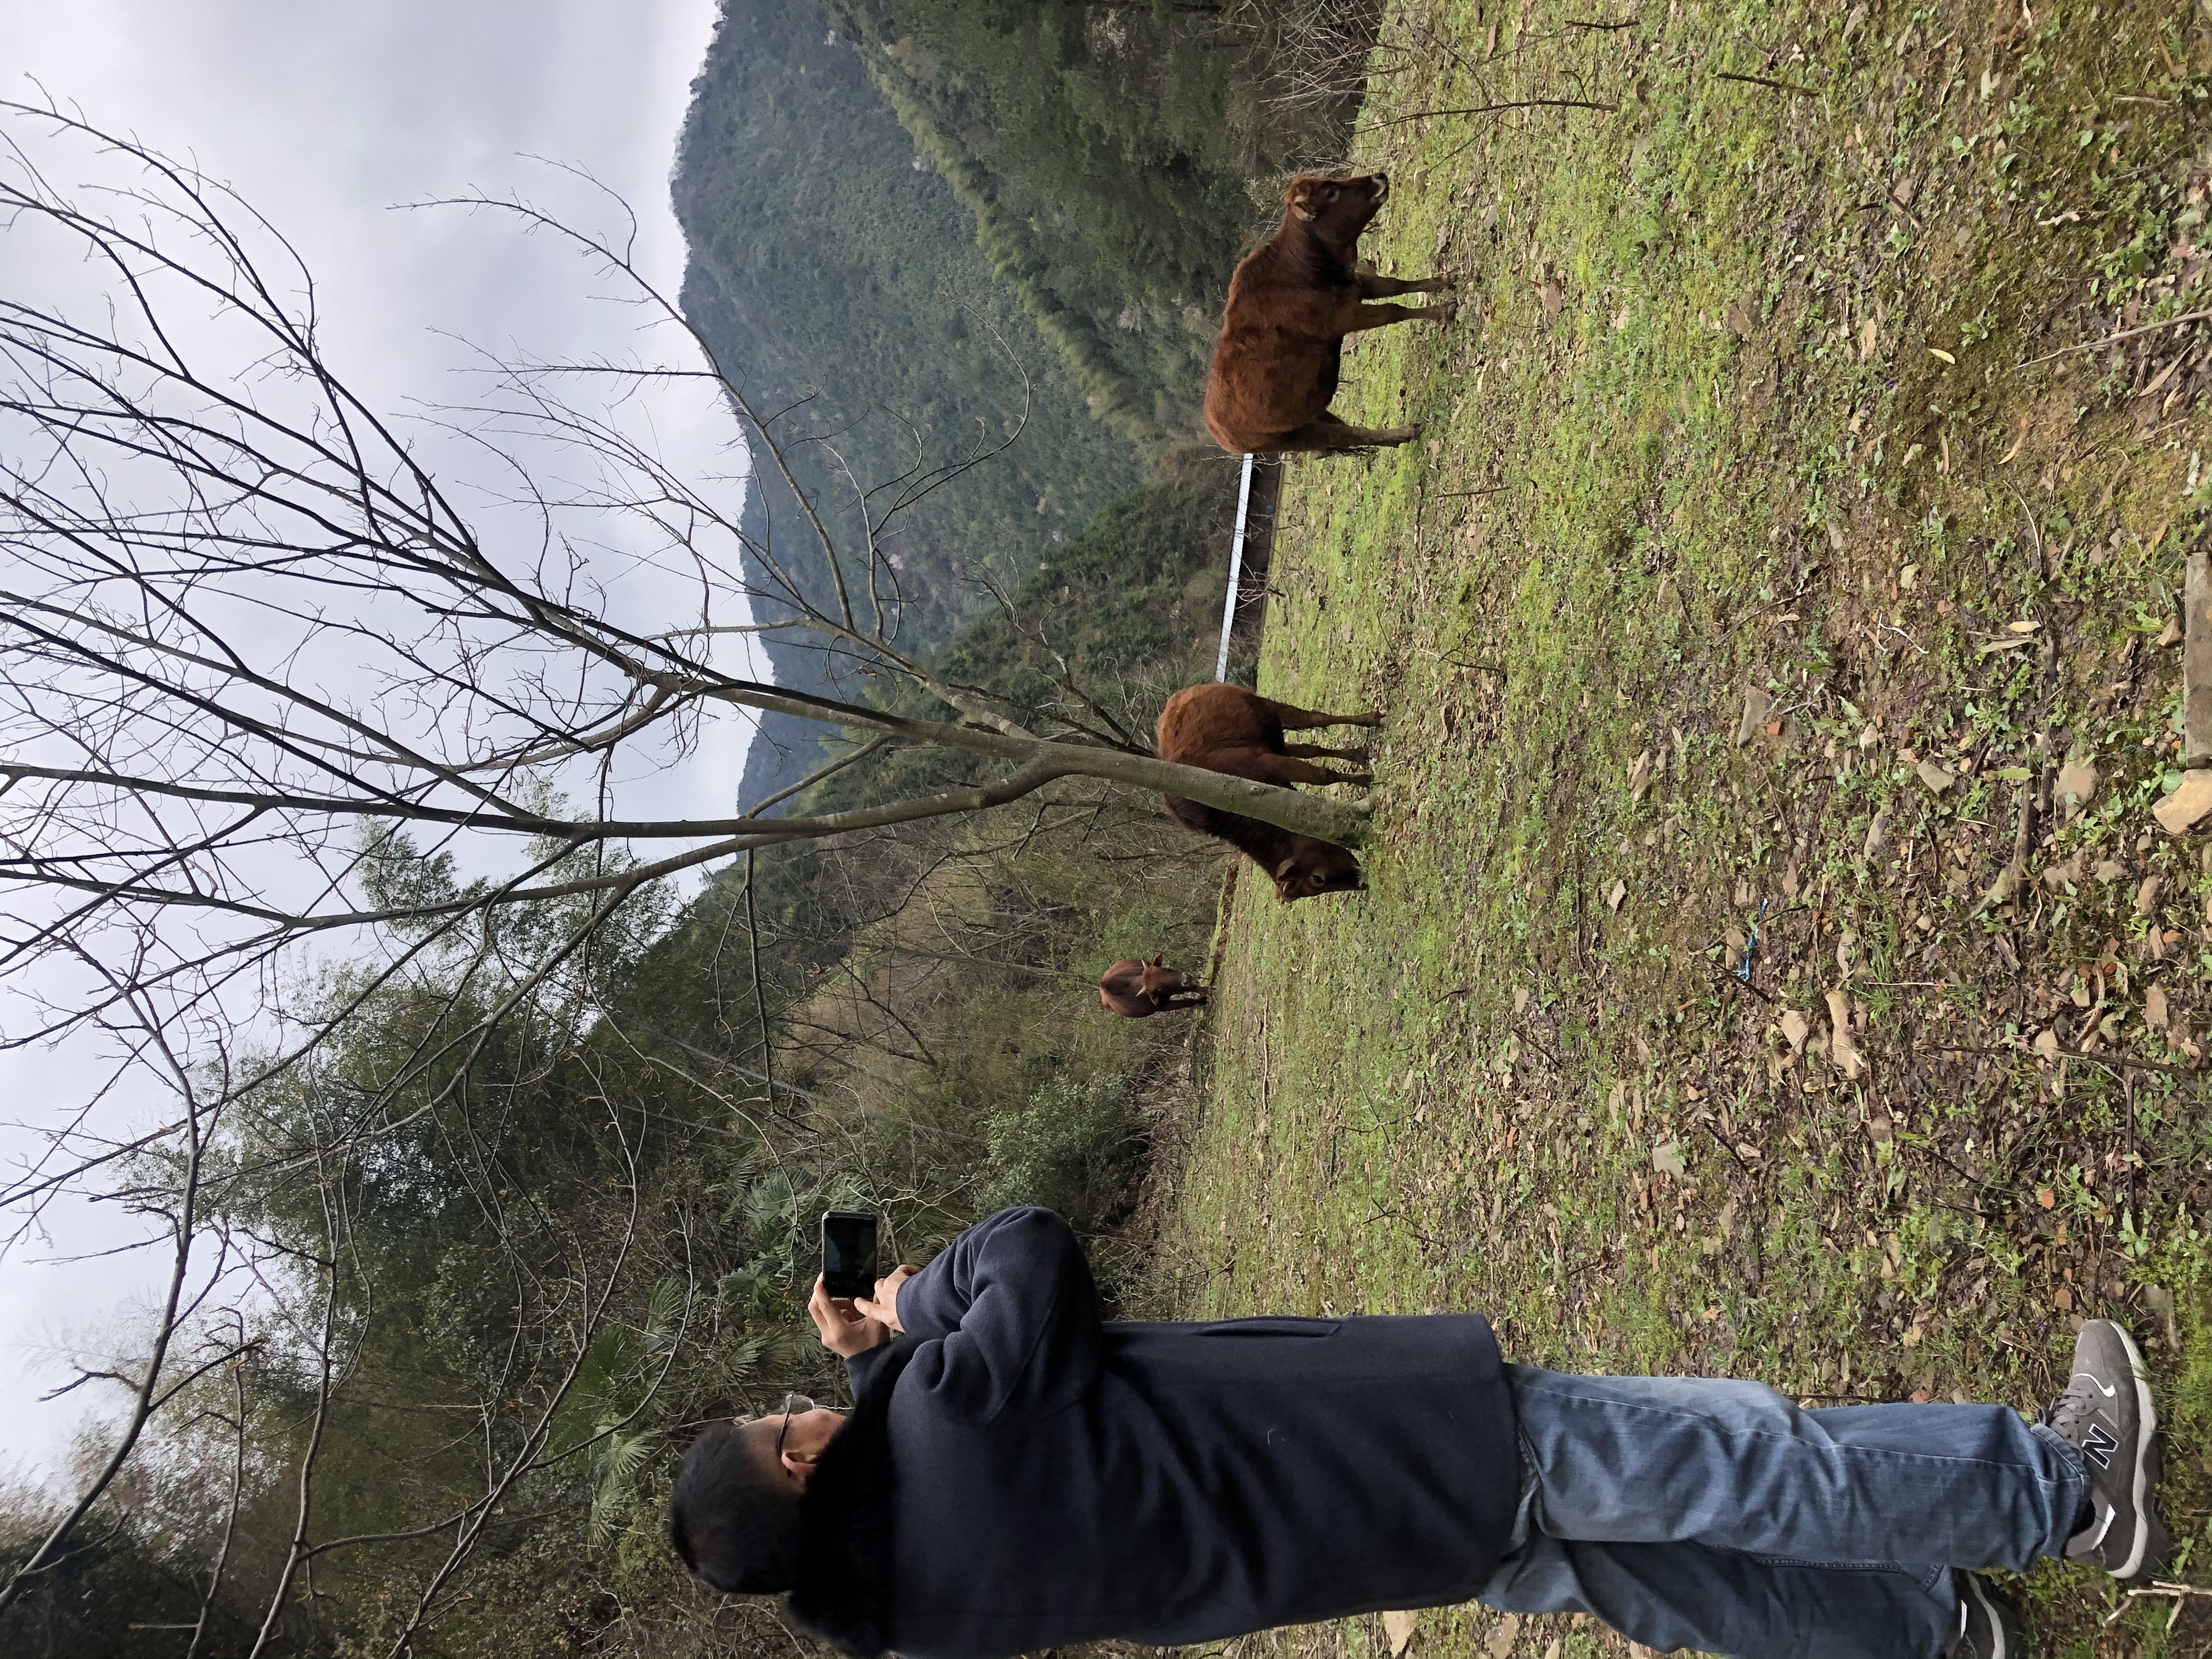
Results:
1020 1474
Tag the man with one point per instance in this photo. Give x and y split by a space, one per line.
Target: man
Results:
1019 1474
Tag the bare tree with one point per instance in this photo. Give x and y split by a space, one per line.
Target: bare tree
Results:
250 642
243 622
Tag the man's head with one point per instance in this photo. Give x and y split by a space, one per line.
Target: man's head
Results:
734 1518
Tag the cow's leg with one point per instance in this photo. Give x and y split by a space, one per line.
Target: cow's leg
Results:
1194 999
1326 435
1288 769
1366 316
1291 718
1318 751
1372 287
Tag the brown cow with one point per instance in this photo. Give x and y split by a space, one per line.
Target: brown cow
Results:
1141 989
1291 304
1225 728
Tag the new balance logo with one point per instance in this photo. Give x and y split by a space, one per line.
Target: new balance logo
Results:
2098 1445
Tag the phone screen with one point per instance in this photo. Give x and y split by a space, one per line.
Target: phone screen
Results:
848 1253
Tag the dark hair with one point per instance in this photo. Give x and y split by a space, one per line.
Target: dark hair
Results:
733 1518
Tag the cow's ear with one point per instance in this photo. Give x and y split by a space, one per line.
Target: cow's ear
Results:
1283 871
1302 201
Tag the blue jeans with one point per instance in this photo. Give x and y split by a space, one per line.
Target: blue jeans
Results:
1719 1517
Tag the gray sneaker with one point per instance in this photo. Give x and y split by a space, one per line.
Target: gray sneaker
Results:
2106 1415
1988 1627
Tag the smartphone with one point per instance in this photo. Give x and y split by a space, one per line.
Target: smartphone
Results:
848 1253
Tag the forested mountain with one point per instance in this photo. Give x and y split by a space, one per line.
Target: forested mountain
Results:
1117 160
836 276
899 212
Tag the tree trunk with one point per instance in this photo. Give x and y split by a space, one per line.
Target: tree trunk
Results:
1041 760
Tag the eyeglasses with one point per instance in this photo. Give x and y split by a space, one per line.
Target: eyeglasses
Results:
794 1405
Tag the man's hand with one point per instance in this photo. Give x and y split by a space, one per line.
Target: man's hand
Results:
846 1327
883 1307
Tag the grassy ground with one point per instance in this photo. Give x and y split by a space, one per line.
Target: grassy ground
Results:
1734 409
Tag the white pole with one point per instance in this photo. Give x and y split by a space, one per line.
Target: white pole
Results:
1236 569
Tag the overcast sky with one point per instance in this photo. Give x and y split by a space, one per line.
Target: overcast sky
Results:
325 116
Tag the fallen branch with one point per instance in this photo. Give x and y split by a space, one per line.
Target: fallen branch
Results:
2067 1054
1771 605
2124 334
2180 1592
1491 109
1761 81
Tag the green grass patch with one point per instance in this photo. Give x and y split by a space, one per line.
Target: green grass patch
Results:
1734 411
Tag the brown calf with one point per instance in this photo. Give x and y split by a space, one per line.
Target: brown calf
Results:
1291 304
1225 728
1141 989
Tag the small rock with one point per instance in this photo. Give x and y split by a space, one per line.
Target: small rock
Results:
1933 776
1795 1029
2181 810
2006 887
2077 780
2109 871
2063 875
2155 1007
1877 836
1756 703
2159 1301
2147 896
1619 892
2046 1044
1667 1158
